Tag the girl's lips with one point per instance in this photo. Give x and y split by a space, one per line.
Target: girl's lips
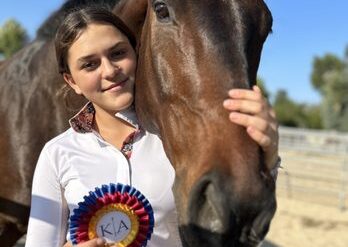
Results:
116 86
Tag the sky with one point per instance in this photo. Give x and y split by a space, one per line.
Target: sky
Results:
302 29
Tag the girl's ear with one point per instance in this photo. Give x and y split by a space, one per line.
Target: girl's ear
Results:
70 80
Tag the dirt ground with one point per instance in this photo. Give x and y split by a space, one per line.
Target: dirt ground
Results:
304 224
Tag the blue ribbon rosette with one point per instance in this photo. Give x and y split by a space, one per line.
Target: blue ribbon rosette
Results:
118 213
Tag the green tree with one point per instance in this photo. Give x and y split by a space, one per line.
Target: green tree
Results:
335 102
322 66
313 117
287 111
293 114
12 38
330 78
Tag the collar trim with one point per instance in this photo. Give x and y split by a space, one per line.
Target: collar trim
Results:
82 122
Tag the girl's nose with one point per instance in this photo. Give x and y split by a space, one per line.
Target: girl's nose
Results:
110 69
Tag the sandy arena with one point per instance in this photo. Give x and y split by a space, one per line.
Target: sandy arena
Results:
304 224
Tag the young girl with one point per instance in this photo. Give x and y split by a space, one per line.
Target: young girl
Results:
95 54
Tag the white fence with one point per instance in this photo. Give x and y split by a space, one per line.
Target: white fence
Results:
315 166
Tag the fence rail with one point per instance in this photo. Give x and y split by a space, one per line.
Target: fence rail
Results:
315 166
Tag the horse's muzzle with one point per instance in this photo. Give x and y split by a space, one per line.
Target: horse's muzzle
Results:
218 217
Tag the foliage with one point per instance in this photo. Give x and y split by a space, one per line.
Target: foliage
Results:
330 78
313 117
287 111
335 101
12 38
323 65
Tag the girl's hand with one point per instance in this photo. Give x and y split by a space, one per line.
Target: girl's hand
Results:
250 109
97 242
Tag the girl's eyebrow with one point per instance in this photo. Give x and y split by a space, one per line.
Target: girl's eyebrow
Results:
88 57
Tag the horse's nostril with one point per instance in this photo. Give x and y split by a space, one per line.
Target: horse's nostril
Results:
209 216
207 207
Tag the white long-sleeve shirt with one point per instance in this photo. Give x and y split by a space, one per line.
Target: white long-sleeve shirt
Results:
78 160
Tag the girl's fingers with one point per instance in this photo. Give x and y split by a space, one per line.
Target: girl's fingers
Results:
259 137
248 101
249 121
264 132
247 94
246 106
257 89
268 145
250 109
68 244
98 242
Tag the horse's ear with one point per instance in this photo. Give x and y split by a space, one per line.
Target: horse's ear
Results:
133 13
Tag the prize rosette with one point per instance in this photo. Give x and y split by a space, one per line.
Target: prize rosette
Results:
118 213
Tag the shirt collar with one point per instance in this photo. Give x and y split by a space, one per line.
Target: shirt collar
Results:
82 122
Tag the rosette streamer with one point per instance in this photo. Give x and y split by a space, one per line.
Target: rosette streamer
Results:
105 204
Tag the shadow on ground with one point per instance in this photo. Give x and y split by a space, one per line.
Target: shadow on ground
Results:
267 243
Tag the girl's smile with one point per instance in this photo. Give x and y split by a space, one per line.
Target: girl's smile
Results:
115 87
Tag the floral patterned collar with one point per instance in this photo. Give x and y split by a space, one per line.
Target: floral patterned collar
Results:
82 122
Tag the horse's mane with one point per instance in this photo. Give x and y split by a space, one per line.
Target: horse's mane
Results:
48 29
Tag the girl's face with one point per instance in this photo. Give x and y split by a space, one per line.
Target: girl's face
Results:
102 67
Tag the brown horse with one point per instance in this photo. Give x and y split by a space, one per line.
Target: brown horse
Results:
190 54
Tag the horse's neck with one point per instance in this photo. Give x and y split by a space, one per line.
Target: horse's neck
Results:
15 72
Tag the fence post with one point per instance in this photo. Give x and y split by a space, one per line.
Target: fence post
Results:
342 196
288 184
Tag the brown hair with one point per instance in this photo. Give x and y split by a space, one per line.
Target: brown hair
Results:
76 22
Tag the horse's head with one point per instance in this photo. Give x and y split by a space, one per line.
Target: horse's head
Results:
190 54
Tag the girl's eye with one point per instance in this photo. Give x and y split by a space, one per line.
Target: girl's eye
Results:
118 54
89 66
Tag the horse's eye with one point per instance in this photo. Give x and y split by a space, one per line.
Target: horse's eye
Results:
162 11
